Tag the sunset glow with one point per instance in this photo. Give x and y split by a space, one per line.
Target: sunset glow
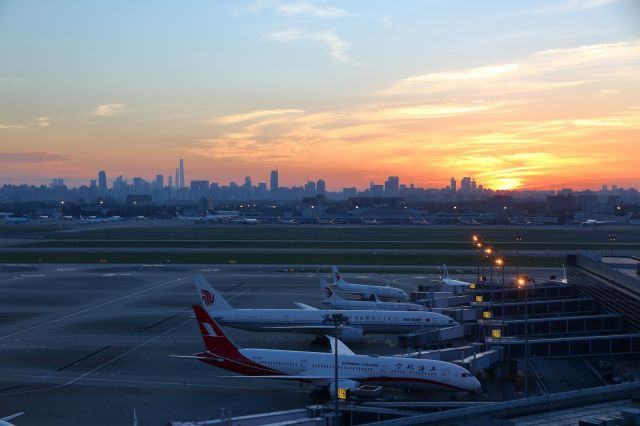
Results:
350 93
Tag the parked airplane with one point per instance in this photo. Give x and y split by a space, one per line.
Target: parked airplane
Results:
450 281
367 291
4 421
318 367
337 302
245 221
316 321
94 219
593 222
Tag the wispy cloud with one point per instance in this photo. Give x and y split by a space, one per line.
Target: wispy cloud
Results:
253 115
336 46
304 8
543 70
31 157
109 109
572 6
43 121
12 126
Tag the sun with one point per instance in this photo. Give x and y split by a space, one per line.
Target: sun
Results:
505 184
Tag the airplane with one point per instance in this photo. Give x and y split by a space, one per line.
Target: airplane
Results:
318 368
310 320
94 219
337 302
450 281
420 222
593 222
283 221
4 421
367 291
245 221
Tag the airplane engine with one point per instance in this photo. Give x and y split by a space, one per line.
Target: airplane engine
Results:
351 335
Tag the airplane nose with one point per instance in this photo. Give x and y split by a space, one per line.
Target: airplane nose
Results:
475 385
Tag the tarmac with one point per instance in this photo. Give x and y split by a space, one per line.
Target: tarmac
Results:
90 343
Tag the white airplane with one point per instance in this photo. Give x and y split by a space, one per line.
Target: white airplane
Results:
337 302
450 281
4 421
367 291
245 221
318 367
593 222
316 321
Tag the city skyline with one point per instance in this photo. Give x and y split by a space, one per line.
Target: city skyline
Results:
528 95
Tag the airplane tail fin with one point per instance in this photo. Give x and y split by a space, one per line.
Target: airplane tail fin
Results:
446 272
11 417
211 299
215 341
336 274
327 292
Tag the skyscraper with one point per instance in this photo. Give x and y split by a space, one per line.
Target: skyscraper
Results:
181 173
274 181
159 183
177 178
392 185
170 181
465 185
102 181
454 184
320 187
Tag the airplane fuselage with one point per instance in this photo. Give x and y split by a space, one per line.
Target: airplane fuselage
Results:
378 306
369 290
419 374
304 321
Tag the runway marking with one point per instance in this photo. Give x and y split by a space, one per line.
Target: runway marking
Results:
149 382
163 284
82 376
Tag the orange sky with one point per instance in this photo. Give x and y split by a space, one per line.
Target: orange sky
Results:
328 99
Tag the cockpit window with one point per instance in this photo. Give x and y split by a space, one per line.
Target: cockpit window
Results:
467 375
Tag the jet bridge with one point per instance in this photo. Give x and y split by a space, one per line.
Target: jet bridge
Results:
539 308
567 347
557 326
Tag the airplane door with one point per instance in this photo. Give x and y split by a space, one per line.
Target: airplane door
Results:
445 375
303 365
384 371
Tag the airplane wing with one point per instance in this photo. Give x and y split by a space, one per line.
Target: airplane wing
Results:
305 307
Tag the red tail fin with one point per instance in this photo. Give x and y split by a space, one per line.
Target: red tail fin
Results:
214 338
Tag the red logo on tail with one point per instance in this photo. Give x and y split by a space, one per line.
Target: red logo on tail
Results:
328 292
207 297
337 276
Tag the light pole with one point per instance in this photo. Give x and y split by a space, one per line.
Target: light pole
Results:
337 319
477 244
500 262
522 283
518 238
488 251
612 239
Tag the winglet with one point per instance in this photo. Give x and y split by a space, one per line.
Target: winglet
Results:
336 274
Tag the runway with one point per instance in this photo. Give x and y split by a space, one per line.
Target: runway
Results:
88 344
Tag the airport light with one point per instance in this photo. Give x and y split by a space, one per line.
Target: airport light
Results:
500 263
612 239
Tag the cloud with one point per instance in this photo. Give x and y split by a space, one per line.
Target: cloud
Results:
336 46
543 70
253 115
12 126
31 157
43 121
573 6
298 8
109 109
305 8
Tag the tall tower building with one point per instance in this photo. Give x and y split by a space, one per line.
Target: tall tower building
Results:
181 173
465 185
274 181
102 181
454 184
392 185
320 187
177 178
170 181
